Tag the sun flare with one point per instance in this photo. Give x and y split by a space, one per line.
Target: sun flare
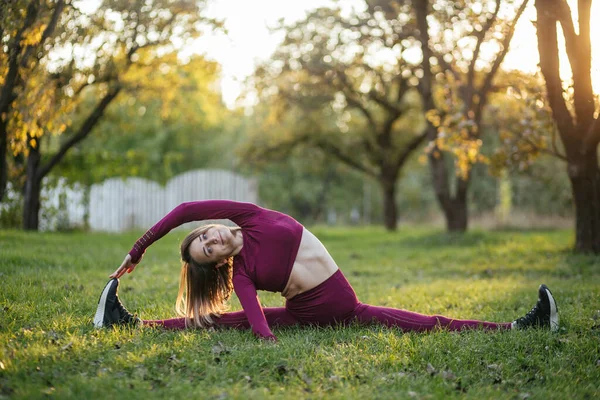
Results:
524 55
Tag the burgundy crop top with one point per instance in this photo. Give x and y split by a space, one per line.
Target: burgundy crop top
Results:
271 240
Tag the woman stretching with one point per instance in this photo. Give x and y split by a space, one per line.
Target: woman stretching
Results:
271 251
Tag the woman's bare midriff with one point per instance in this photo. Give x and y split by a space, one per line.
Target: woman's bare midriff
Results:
313 266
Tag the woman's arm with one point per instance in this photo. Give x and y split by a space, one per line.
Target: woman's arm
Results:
126 266
246 292
236 211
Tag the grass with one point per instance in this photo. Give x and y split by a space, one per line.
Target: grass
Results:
51 283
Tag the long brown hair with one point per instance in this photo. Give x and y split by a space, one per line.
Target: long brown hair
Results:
203 288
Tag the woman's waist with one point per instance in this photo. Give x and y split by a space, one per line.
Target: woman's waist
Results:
306 275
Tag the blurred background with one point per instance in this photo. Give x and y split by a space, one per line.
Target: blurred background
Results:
354 112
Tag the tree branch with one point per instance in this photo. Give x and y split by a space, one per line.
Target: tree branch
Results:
562 13
332 149
544 150
480 35
446 66
485 88
7 93
83 132
549 65
58 9
408 150
579 52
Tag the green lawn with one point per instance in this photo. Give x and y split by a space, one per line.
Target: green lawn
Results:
51 284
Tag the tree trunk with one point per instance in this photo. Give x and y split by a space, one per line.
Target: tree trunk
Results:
585 183
3 163
454 207
458 216
390 211
33 188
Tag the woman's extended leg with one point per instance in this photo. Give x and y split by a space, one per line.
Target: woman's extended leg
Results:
544 314
276 316
412 321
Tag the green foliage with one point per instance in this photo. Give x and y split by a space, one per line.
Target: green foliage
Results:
87 61
341 84
52 281
311 190
157 137
522 120
468 41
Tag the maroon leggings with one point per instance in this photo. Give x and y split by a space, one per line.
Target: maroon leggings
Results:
334 302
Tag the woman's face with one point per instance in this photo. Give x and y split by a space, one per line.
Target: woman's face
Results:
214 245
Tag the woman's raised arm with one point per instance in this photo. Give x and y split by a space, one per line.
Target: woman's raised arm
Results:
235 211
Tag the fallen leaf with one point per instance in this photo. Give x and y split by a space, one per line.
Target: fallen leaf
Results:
430 370
67 346
53 336
48 391
219 349
449 375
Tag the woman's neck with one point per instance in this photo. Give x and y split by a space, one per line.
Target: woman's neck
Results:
238 242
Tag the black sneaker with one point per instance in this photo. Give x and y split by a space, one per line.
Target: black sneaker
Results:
110 310
544 314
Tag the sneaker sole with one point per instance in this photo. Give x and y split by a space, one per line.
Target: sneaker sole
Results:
553 311
99 317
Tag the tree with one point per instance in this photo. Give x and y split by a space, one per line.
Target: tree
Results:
158 136
458 78
346 86
574 110
26 27
122 44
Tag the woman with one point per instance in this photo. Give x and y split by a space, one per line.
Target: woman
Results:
271 251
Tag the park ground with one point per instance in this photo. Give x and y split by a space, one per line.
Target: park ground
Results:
51 283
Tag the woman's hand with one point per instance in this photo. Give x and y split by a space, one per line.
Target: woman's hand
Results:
126 266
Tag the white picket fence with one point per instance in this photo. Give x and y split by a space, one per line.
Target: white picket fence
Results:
117 205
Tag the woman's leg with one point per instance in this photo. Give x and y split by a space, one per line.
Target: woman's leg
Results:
276 316
412 321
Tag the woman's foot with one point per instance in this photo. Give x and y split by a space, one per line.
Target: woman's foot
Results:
110 311
544 314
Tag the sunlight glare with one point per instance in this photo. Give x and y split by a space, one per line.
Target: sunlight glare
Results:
523 54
